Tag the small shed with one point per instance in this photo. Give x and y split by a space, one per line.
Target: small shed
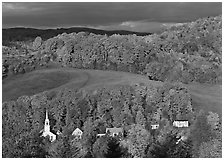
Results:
100 135
114 131
59 132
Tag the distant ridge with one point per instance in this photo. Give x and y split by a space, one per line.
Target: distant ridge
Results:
23 34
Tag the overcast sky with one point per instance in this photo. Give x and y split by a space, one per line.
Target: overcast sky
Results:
128 16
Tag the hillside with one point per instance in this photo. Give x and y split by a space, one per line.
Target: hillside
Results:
187 53
206 97
29 34
58 78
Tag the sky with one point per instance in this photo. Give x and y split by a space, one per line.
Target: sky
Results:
140 17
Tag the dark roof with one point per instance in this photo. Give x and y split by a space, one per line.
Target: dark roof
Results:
114 130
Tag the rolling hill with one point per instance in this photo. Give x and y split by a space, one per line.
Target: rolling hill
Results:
25 34
204 96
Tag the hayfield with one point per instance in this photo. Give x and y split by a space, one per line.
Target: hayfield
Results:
204 96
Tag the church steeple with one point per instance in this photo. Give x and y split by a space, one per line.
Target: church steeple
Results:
47 123
46 115
46 131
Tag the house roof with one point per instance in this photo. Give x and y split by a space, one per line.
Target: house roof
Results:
76 131
114 130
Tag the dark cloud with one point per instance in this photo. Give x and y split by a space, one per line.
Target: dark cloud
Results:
103 14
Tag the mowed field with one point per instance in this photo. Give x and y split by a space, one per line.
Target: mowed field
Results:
207 97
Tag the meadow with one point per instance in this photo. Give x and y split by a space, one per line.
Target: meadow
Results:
204 96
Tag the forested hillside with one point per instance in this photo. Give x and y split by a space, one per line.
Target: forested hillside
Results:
134 108
187 53
10 35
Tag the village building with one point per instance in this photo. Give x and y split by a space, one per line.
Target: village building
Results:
154 126
77 133
100 135
180 123
59 132
114 131
46 131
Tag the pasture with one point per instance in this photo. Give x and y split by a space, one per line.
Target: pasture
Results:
204 96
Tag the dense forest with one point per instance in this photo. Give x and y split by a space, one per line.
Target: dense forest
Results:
181 54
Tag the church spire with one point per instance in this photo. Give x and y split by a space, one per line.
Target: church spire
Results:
46 114
47 123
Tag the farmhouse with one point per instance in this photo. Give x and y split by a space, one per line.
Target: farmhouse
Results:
180 123
114 131
155 126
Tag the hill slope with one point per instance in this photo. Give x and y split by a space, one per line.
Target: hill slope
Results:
207 97
24 34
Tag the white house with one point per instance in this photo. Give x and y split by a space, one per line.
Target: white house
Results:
77 133
46 131
155 126
180 124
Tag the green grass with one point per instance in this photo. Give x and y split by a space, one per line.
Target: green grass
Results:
47 79
207 97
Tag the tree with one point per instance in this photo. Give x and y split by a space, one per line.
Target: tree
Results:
213 120
115 150
201 131
211 149
63 148
25 145
137 140
169 148
100 147
140 119
37 43
89 134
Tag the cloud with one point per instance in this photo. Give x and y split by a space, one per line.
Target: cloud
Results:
19 8
142 15
11 6
137 26
128 24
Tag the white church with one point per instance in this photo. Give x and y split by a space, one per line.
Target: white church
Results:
46 131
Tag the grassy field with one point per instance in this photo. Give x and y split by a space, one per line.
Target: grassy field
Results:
207 97
41 80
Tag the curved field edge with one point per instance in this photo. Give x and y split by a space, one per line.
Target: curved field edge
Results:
206 97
